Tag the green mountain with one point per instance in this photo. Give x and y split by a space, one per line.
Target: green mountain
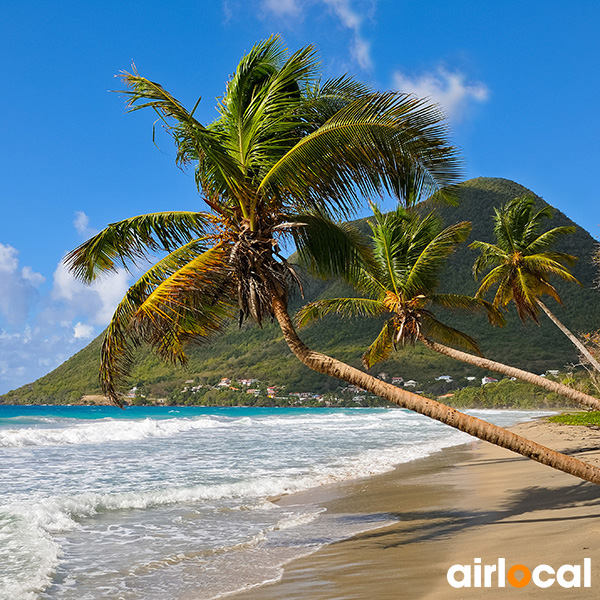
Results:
254 353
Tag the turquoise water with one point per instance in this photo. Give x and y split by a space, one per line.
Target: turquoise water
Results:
163 502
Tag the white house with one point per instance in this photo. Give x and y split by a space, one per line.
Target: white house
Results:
446 378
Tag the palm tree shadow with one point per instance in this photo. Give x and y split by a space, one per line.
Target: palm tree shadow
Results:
438 524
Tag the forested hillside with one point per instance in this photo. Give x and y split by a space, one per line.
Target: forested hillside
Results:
251 352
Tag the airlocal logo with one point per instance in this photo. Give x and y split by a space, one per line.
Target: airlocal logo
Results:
518 576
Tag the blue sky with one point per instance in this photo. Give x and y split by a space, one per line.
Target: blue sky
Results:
519 81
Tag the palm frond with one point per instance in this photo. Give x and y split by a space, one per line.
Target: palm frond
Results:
434 329
330 249
390 244
371 146
125 242
491 255
525 288
382 346
217 170
464 303
149 313
260 109
345 307
533 222
500 275
550 264
546 288
323 100
542 242
424 272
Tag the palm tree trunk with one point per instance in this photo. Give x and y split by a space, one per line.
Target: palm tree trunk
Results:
584 351
430 408
485 363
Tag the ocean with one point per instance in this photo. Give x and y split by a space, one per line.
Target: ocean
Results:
161 502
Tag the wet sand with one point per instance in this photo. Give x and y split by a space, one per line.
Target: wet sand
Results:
475 501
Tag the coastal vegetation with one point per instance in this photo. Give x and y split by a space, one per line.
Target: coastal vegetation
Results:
584 419
507 393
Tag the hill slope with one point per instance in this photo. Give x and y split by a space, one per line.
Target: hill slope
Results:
262 354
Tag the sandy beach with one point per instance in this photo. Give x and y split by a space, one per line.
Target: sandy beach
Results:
475 501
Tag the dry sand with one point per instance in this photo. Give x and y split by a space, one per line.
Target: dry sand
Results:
476 501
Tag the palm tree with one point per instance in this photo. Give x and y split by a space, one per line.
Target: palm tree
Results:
523 263
286 152
399 281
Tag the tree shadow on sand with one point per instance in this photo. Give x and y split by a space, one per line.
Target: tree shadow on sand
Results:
435 524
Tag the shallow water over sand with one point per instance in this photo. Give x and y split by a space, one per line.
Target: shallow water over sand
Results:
151 503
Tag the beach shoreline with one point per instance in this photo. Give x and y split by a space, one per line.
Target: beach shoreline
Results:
465 502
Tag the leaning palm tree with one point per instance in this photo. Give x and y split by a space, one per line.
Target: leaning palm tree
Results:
285 154
399 281
522 263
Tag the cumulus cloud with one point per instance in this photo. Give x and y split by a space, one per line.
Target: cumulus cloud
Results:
97 301
343 10
35 279
18 290
8 259
450 89
81 331
282 8
351 19
63 322
40 328
82 225
31 353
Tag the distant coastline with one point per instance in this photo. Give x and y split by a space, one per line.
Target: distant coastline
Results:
503 394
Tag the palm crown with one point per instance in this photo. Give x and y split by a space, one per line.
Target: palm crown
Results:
400 280
521 259
286 153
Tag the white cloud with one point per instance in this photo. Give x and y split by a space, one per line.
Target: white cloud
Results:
97 301
82 225
351 19
81 331
29 354
36 279
38 328
347 16
282 8
18 290
8 259
110 291
449 89
343 10
362 52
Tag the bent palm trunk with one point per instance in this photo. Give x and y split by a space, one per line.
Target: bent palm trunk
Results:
584 351
485 363
430 408
491 365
